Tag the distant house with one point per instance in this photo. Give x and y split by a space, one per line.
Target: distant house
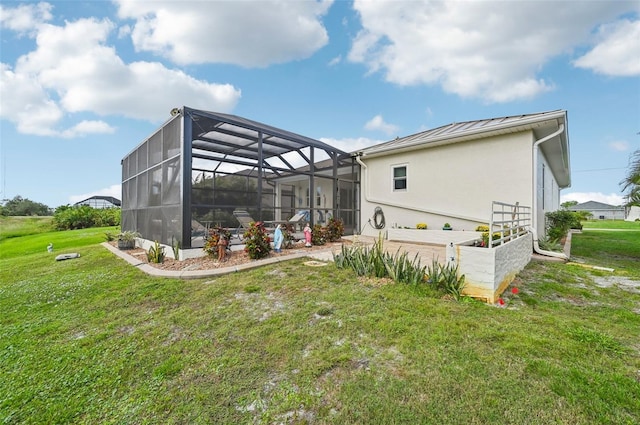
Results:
451 174
100 202
601 211
633 213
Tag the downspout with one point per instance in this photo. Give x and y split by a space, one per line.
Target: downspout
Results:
534 227
364 167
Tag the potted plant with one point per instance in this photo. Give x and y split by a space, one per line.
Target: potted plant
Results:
446 226
127 239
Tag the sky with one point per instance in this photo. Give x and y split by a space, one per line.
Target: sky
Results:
82 83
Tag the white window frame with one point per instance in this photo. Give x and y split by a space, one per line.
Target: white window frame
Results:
394 179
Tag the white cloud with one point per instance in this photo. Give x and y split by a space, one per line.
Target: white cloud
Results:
617 52
620 145
580 197
335 61
113 190
252 34
351 144
25 18
494 51
73 70
88 127
377 123
346 145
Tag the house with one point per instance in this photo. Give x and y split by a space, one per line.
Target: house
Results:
633 213
600 210
451 174
98 201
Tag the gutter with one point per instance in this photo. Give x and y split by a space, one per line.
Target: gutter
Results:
541 251
368 198
534 219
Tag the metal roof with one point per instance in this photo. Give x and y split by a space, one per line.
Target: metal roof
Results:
466 130
595 205
542 124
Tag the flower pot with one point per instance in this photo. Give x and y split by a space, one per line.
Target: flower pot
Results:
122 244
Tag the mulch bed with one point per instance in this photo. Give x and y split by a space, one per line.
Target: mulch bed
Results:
233 259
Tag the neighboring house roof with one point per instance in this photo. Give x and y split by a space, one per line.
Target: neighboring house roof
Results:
595 206
542 124
114 201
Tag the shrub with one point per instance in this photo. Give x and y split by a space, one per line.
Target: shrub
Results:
156 253
559 222
288 236
482 228
375 262
445 278
334 230
318 236
127 239
549 244
421 226
257 243
176 246
211 244
84 216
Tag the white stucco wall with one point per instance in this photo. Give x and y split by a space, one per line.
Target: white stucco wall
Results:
322 187
547 192
453 183
633 213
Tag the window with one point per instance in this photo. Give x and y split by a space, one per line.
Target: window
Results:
400 178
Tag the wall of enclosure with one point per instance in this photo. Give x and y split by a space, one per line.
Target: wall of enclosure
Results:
199 167
151 186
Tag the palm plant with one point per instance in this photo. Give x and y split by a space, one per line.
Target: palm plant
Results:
632 181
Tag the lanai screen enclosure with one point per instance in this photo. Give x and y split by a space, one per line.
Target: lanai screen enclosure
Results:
200 166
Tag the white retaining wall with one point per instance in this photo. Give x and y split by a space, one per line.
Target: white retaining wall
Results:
489 271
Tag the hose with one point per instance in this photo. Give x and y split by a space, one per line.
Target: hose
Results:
378 218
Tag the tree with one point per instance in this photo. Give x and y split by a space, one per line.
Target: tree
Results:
19 206
568 204
631 182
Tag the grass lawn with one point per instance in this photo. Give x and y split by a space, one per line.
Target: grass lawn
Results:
12 227
611 224
94 340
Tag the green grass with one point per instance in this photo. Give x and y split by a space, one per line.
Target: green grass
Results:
13 227
34 241
615 247
95 340
611 224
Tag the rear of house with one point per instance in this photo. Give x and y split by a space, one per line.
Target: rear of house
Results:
452 174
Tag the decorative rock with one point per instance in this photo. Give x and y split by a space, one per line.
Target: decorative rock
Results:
63 257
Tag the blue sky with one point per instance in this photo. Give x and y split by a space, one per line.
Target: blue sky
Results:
82 83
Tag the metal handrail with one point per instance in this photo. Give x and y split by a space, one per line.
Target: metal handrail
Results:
508 229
